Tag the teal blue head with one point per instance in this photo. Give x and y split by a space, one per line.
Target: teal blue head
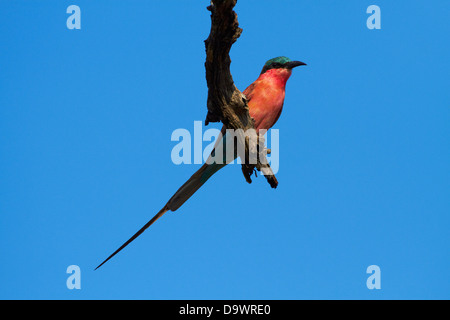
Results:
281 62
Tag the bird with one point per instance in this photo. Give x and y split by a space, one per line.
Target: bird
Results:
265 99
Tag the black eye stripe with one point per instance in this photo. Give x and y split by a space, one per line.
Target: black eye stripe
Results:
273 65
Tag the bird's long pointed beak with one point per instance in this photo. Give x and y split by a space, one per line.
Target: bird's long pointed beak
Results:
293 64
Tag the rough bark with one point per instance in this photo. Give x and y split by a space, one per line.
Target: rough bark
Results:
225 102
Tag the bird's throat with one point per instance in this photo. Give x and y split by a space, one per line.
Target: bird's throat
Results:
278 77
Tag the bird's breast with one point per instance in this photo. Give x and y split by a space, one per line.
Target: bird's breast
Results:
266 103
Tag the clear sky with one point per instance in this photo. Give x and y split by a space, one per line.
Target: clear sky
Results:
86 118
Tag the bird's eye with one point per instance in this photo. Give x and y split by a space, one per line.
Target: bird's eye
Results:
276 65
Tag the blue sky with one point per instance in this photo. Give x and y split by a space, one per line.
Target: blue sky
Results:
86 118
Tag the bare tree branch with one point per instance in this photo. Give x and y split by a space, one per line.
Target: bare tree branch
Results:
225 102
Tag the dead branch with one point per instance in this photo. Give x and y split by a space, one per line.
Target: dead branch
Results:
225 102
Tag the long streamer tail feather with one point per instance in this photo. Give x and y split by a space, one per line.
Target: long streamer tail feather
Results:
181 196
192 185
137 234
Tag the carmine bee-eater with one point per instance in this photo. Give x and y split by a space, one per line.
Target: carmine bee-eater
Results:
265 99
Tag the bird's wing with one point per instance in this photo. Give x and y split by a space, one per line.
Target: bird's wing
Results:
249 91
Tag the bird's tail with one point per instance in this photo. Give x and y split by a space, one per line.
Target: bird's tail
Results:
192 185
181 196
137 234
